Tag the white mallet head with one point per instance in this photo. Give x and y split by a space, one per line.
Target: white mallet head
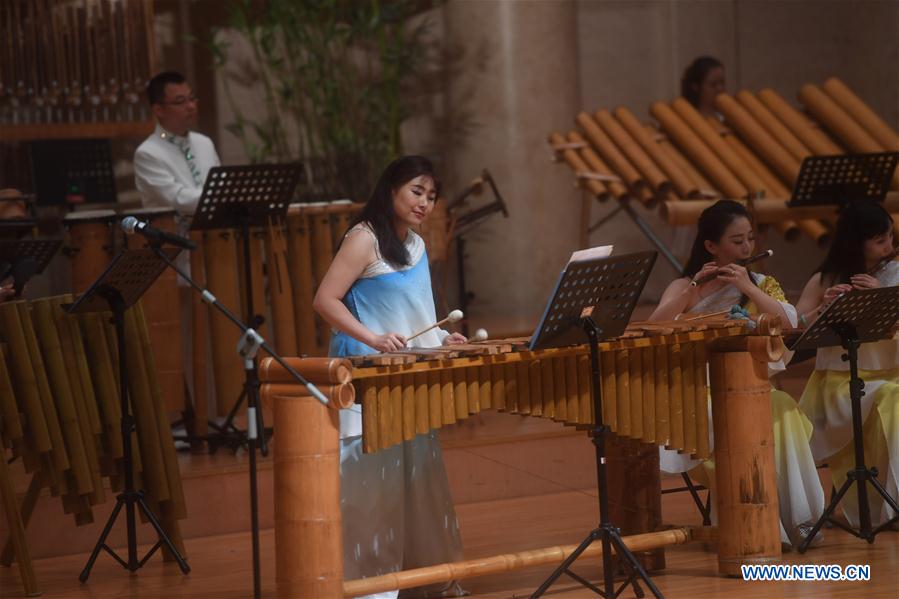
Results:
455 316
480 335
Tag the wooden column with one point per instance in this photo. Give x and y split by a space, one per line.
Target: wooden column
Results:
747 503
308 537
635 492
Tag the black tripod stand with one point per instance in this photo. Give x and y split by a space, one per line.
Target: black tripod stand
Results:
127 278
865 315
250 343
605 290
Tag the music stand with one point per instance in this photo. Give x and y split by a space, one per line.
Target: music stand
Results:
240 197
24 258
123 282
843 178
857 317
593 300
73 171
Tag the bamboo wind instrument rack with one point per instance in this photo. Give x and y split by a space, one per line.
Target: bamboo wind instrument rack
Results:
687 161
75 69
59 403
663 401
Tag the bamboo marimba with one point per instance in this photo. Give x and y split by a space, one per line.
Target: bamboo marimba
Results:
654 389
753 154
60 414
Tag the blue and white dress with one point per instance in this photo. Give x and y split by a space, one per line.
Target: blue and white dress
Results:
396 505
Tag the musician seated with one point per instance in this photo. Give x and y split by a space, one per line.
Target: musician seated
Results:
396 506
701 83
724 238
858 258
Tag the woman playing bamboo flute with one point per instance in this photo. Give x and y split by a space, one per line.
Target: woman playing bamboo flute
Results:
724 237
862 240
396 505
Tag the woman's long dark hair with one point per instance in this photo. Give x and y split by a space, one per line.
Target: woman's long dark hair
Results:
713 222
378 211
859 221
694 75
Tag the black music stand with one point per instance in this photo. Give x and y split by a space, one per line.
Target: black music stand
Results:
857 317
593 300
843 178
24 258
123 282
240 197
250 343
73 171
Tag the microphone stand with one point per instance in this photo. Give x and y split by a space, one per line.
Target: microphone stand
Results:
249 344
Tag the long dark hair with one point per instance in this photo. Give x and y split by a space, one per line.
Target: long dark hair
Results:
378 210
713 222
694 75
859 221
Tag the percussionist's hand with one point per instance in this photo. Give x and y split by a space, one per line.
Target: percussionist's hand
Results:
455 339
388 342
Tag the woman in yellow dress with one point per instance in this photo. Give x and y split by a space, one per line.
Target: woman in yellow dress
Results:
858 259
724 237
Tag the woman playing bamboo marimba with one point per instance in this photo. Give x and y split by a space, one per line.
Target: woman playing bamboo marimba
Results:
396 506
858 259
725 237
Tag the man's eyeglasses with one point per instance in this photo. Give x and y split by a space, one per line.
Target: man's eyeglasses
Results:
182 100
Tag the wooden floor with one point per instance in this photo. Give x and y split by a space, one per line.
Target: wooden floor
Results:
221 566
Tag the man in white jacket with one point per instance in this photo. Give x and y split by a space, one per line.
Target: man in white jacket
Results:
171 165
170 168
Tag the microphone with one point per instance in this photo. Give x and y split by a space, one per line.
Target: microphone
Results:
132 225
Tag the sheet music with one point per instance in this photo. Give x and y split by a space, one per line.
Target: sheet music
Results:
600 251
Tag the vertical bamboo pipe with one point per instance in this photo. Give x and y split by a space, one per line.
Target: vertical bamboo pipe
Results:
862 113
300 252
322 255
280 291
308 533
220 251
201 337
748 524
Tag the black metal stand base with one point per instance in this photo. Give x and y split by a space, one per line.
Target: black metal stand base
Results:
862 477
606 532
610 538
129 499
